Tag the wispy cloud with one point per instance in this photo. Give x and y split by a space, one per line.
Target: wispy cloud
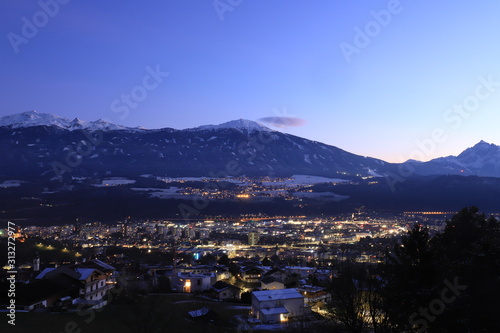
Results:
283 122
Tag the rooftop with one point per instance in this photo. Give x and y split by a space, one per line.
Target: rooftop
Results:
280 294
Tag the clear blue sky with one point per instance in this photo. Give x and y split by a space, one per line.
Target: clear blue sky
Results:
257 58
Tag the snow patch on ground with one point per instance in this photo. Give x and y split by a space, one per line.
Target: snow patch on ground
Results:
181 179
115 181
373 173
11 183
298 180
321 195
162 193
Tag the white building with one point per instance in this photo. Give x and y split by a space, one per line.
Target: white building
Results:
92 278
313 294
253 238
192 282
271 283
251 274
277 273
225 291
278 305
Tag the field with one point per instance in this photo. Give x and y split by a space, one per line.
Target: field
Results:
152 313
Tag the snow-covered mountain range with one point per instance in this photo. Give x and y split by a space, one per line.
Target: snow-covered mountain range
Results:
33 142
34 118
243 125
483 159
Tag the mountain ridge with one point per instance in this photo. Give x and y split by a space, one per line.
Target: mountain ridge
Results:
482 159
33 118
36 141
178 151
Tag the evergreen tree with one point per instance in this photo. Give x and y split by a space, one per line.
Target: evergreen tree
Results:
223 260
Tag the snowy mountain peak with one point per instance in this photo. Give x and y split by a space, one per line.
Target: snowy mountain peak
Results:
102 124
481 155
34 118
77 123
482 149
242 125
483 145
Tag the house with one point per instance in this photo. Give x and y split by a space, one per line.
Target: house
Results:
86 283
278 305
198 269
271 283
323 276
251 274
302 272
222 273
100 265
277 273
193 283
92 283
225 291
313 294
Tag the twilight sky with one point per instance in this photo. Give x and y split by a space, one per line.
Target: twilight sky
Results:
388 79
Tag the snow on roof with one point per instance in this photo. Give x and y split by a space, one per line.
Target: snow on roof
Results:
252 268
272 311
84 272
44 272
221 285
280 294
198 313
189 275
103 264
300 268
275 270
310 288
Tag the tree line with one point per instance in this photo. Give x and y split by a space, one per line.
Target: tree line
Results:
449 282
